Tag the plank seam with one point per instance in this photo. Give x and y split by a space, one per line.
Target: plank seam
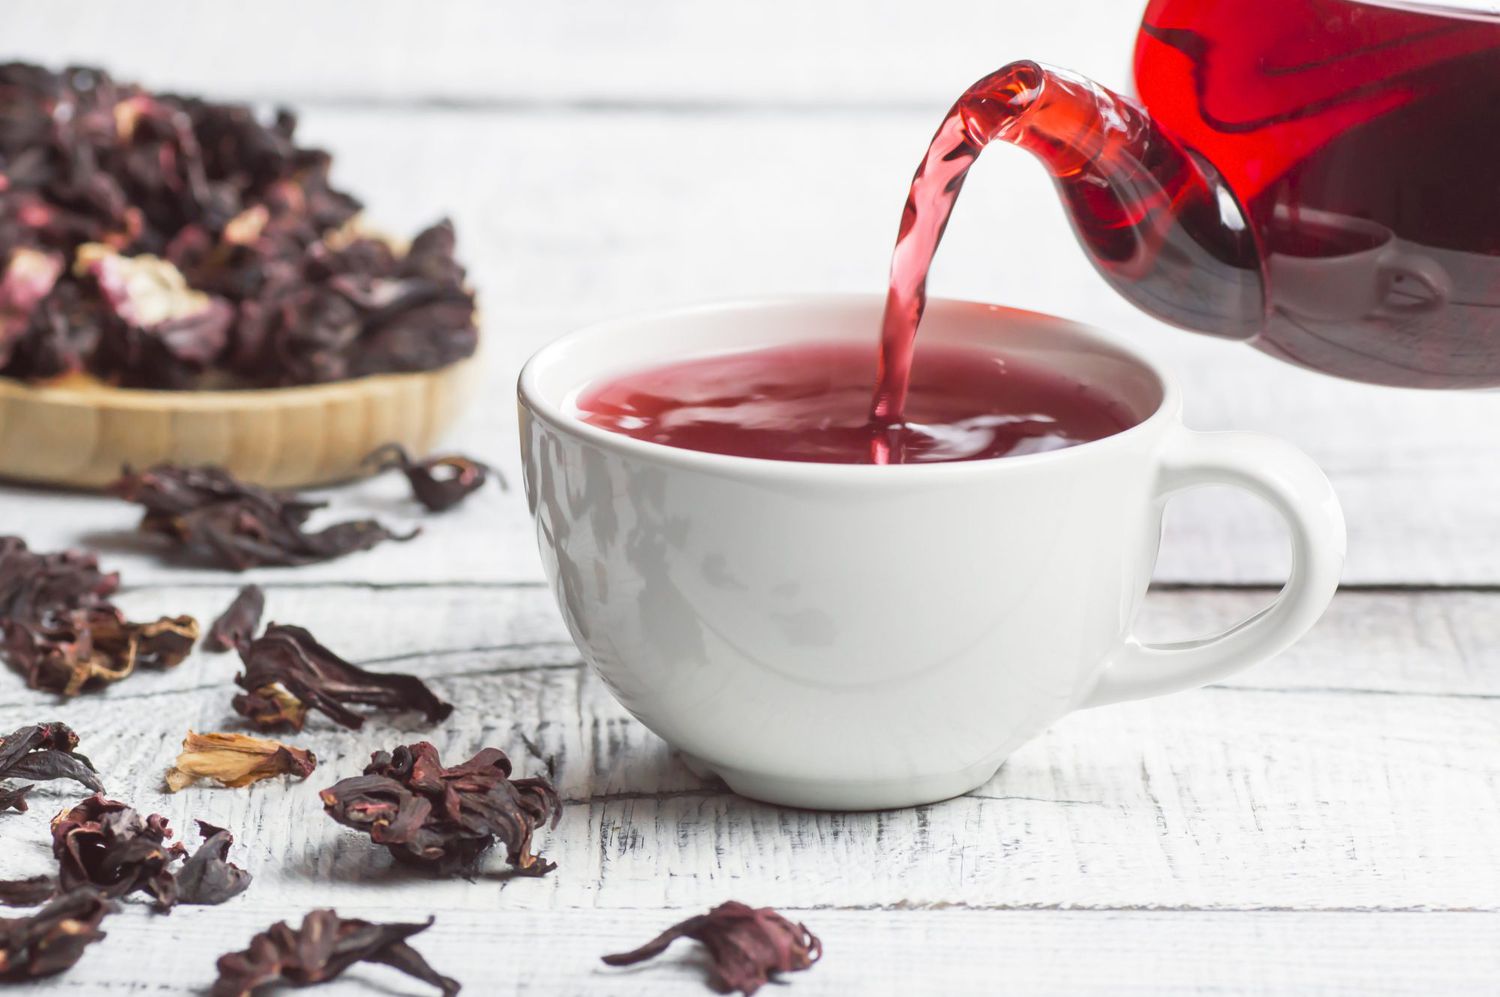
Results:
1353 588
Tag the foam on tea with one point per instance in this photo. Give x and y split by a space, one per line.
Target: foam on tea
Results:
811 402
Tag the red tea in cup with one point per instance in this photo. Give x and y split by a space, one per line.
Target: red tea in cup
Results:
811 402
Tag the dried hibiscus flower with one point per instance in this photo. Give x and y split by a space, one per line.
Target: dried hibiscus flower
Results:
439 483
27 278
42 751
322 948
52 939
239 622
208 877
236 760
287 673
159 333
445 819
108 846
238 525
746 945
61 631
156 200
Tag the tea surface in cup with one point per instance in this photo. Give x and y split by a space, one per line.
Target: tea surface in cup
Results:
810 402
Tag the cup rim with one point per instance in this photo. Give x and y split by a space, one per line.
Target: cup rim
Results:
531 396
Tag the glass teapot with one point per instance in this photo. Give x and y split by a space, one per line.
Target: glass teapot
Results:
1319 178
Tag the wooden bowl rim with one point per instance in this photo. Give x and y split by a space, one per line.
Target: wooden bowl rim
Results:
151 399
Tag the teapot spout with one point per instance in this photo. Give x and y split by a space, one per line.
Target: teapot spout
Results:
1157 221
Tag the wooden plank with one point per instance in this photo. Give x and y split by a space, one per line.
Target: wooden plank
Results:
866 952
658 209
1294 791
1437 643
779 52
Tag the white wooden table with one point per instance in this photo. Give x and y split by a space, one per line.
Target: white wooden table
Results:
1326 822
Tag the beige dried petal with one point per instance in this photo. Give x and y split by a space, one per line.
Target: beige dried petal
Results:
145 290
357 228
245 227
236 760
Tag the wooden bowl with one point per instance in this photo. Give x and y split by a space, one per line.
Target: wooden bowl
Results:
81 436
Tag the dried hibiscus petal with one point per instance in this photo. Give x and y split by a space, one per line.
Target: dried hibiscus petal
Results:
65 329
287 673
238 525
110 847
52 939
236 760
322 948
746 945
439 483
161 198
208 877
58 627
239 622
28 277
446 819
42 752
166 334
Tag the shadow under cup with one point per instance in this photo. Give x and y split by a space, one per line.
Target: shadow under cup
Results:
846 636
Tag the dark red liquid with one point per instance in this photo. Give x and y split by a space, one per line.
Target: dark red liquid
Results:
1300 128
972 122
1139 206
811 403
1325 109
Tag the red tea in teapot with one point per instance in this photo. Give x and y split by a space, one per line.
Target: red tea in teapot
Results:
810 402
1314 177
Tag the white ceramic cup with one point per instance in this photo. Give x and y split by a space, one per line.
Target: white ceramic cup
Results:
856 637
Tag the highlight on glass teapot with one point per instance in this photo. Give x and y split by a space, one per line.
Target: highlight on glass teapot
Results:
1319 178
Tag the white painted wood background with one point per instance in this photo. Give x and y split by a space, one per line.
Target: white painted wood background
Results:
1324 823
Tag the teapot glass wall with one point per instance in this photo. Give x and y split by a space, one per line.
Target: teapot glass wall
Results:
1343 204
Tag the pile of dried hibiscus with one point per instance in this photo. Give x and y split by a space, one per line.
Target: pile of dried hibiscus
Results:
161 241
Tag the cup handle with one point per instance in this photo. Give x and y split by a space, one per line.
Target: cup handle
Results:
1297 488
1427 272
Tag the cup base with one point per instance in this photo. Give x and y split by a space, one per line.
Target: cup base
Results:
839 794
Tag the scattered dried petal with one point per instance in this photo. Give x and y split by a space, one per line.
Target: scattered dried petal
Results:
27 892
322 948
238 623
746 945
59 629
236 760
42 752
287 673
439 483
208 877
52 939
107 845
446 819
236 525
